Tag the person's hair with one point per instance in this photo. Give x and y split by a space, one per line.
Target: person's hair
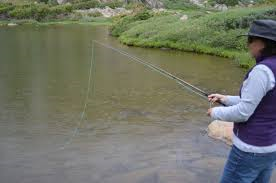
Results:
270 46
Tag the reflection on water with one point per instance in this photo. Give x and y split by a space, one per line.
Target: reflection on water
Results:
138 126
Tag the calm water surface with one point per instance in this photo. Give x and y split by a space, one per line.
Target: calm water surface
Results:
139 127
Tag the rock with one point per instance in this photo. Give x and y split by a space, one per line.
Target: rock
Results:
106 12
198 2
12 24
221 7
184 18
158 10
154 3
221 130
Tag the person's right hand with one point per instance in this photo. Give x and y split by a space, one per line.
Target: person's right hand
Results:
216 98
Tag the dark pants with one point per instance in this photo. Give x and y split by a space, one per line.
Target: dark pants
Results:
243 167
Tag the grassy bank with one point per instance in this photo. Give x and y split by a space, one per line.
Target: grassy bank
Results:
212 33
205 31
42 12
92 21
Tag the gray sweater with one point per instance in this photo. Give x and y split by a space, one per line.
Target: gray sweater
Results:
260 80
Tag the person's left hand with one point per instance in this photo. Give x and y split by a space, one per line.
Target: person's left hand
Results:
209 112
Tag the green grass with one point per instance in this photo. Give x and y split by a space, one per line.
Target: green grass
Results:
45 12
214 33
95 21
179 5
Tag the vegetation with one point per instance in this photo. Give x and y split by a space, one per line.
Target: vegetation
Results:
205 31
182 5
214 33
226 2
50 10
38 11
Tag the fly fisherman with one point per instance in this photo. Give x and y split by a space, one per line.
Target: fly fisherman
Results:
253 154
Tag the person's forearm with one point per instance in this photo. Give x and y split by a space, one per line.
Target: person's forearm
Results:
232 100
236 113
254 89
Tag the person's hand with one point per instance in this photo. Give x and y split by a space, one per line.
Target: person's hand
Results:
217 98
209 112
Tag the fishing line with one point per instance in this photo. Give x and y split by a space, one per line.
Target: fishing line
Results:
181 82
82 114
205 131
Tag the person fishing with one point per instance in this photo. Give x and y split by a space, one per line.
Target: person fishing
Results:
253 154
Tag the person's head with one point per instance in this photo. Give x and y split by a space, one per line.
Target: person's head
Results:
262 38
261 47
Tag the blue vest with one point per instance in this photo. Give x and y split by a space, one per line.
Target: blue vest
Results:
260 128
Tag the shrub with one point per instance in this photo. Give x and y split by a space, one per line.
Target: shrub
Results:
226 2
143 15
86 4
5 8
39 11
240 18
95 14
214 33
53 2
43 1
137 6
183 4
61 9
123 24
111 4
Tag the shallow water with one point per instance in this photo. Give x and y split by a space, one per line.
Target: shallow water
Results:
138 126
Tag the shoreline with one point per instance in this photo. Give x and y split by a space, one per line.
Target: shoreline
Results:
197 49
105 22
241 58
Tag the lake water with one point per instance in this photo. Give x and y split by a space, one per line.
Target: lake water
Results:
138 125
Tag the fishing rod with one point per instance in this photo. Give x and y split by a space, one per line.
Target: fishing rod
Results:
181 82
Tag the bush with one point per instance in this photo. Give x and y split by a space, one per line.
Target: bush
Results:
177 4
52 2
238 18
135 6
43 1
111 4
39 11
143 15
214 33
60 10
5 8
95 14
86 4
124 23
228 2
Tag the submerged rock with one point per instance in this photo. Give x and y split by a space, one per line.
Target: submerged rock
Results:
221 130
